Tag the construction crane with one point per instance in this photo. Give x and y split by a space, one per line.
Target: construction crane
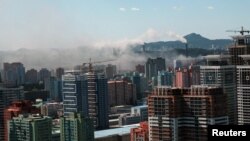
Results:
242 31
90 63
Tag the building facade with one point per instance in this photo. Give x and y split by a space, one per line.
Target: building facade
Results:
121 93
54 86
240 56
240 48
7 96
165 78
243 94
224 76
181 114
59 73
182 78
141 84
152 67
140 133
30 128
76 127
13 73
31 76
44 74
16 108
86 93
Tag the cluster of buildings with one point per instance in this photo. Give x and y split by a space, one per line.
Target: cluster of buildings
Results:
214 93
153 103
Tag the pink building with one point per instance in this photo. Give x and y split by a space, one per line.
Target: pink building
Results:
182 78
140 133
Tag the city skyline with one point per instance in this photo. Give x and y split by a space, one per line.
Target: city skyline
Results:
197 99
68 24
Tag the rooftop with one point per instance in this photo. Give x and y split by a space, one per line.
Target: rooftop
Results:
216 57
141 106
245 57
116 131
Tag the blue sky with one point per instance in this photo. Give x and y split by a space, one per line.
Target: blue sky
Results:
70 23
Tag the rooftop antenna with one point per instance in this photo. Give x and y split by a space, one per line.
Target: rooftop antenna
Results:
242 31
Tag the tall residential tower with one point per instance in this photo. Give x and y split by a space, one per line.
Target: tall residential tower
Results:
181 114
76 127
86 93
240 56
30 128
218 72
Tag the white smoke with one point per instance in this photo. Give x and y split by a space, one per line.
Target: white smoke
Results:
119 50
177 36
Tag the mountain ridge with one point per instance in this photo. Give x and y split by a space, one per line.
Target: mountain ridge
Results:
194 40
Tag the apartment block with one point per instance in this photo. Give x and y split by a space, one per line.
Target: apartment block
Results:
181 114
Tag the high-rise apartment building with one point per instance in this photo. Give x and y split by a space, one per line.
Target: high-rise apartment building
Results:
44 74
181 114
86 93
194 72
240 56
31 76
121 93
182 78
152 67
16 108
30 128
165 78
141 85
243 94
225 76
59 73
54 86
76 127
13 73
240 48
7 96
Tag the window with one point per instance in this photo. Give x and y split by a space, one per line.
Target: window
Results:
210 78
247 77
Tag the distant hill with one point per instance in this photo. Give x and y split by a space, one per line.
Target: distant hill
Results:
194 40
198 41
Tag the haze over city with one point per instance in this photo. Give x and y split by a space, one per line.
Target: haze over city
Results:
102 70
82 29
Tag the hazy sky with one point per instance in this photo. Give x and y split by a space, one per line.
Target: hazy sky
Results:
71 23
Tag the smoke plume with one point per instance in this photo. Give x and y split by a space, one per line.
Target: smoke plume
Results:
119 51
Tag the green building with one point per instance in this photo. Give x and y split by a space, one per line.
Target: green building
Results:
30 128
76 127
